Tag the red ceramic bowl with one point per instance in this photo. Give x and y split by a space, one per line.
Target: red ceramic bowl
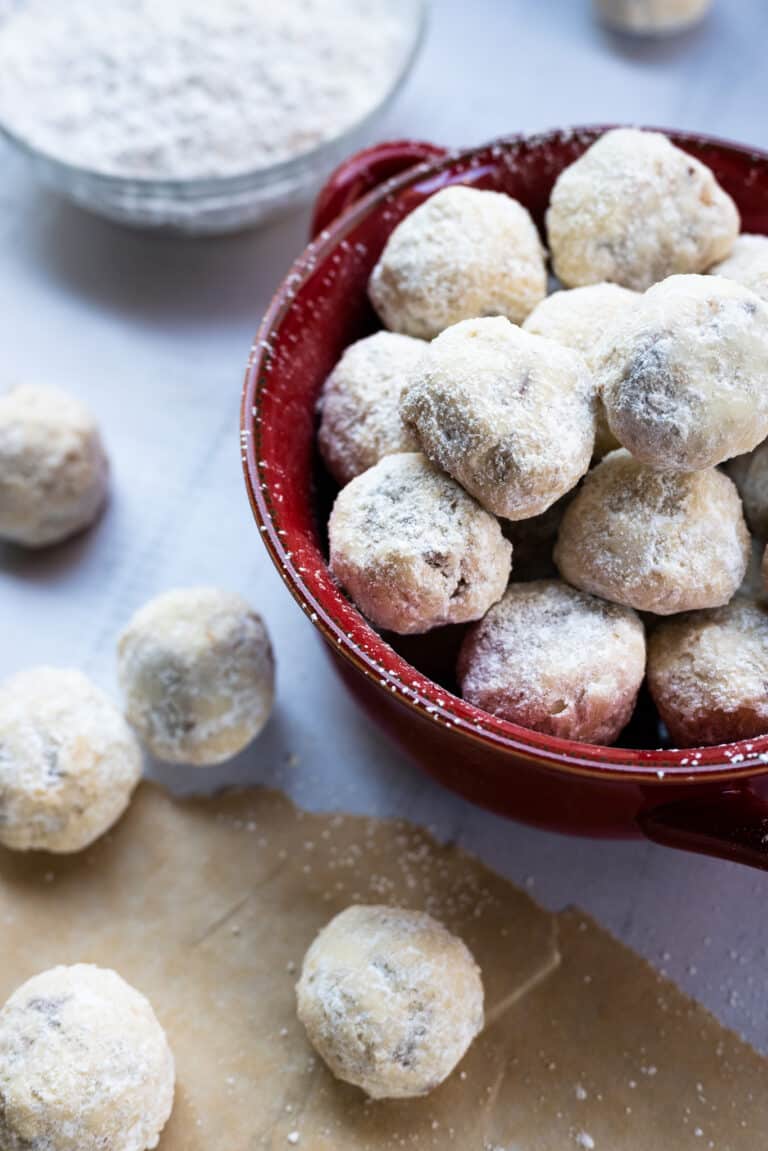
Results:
713 800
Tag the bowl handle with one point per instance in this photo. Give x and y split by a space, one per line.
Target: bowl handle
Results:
730 824
365 170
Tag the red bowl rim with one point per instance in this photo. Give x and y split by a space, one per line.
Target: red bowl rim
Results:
367 652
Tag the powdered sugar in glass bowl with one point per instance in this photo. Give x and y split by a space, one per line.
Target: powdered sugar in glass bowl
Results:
194 117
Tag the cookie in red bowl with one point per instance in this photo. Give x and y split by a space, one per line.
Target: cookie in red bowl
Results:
709 799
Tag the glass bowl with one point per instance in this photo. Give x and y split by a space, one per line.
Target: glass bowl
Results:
225 204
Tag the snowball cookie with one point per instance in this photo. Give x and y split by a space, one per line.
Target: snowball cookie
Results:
661 542
509 415
359 406
707 674
747 263
84 1065
579 318
413 550
635 209
53 468
750 474
462 253
652 16
684 379
198 675
390 999
68 761
553 659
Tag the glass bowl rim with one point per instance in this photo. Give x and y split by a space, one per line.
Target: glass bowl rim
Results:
193 188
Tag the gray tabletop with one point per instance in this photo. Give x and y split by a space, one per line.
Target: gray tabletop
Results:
154 334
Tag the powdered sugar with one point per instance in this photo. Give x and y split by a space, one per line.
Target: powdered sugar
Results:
186 89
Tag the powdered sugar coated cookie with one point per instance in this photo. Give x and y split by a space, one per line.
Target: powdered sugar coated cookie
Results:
413 549
390 999
747 263
53 467
69 763
462 253
509 415
635 209
707 673
84 1065
554 659
198 674
360 404
684 378
580 318
661 542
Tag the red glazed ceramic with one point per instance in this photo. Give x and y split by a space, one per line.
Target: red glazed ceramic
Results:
713 800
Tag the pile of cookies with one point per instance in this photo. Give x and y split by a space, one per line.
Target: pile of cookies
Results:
389 997
84 1062
565 471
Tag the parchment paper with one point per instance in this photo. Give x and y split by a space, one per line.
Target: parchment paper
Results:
208 906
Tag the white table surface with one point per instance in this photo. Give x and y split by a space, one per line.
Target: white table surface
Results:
154 334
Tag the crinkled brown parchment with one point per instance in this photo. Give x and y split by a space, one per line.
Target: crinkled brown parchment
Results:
208 906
